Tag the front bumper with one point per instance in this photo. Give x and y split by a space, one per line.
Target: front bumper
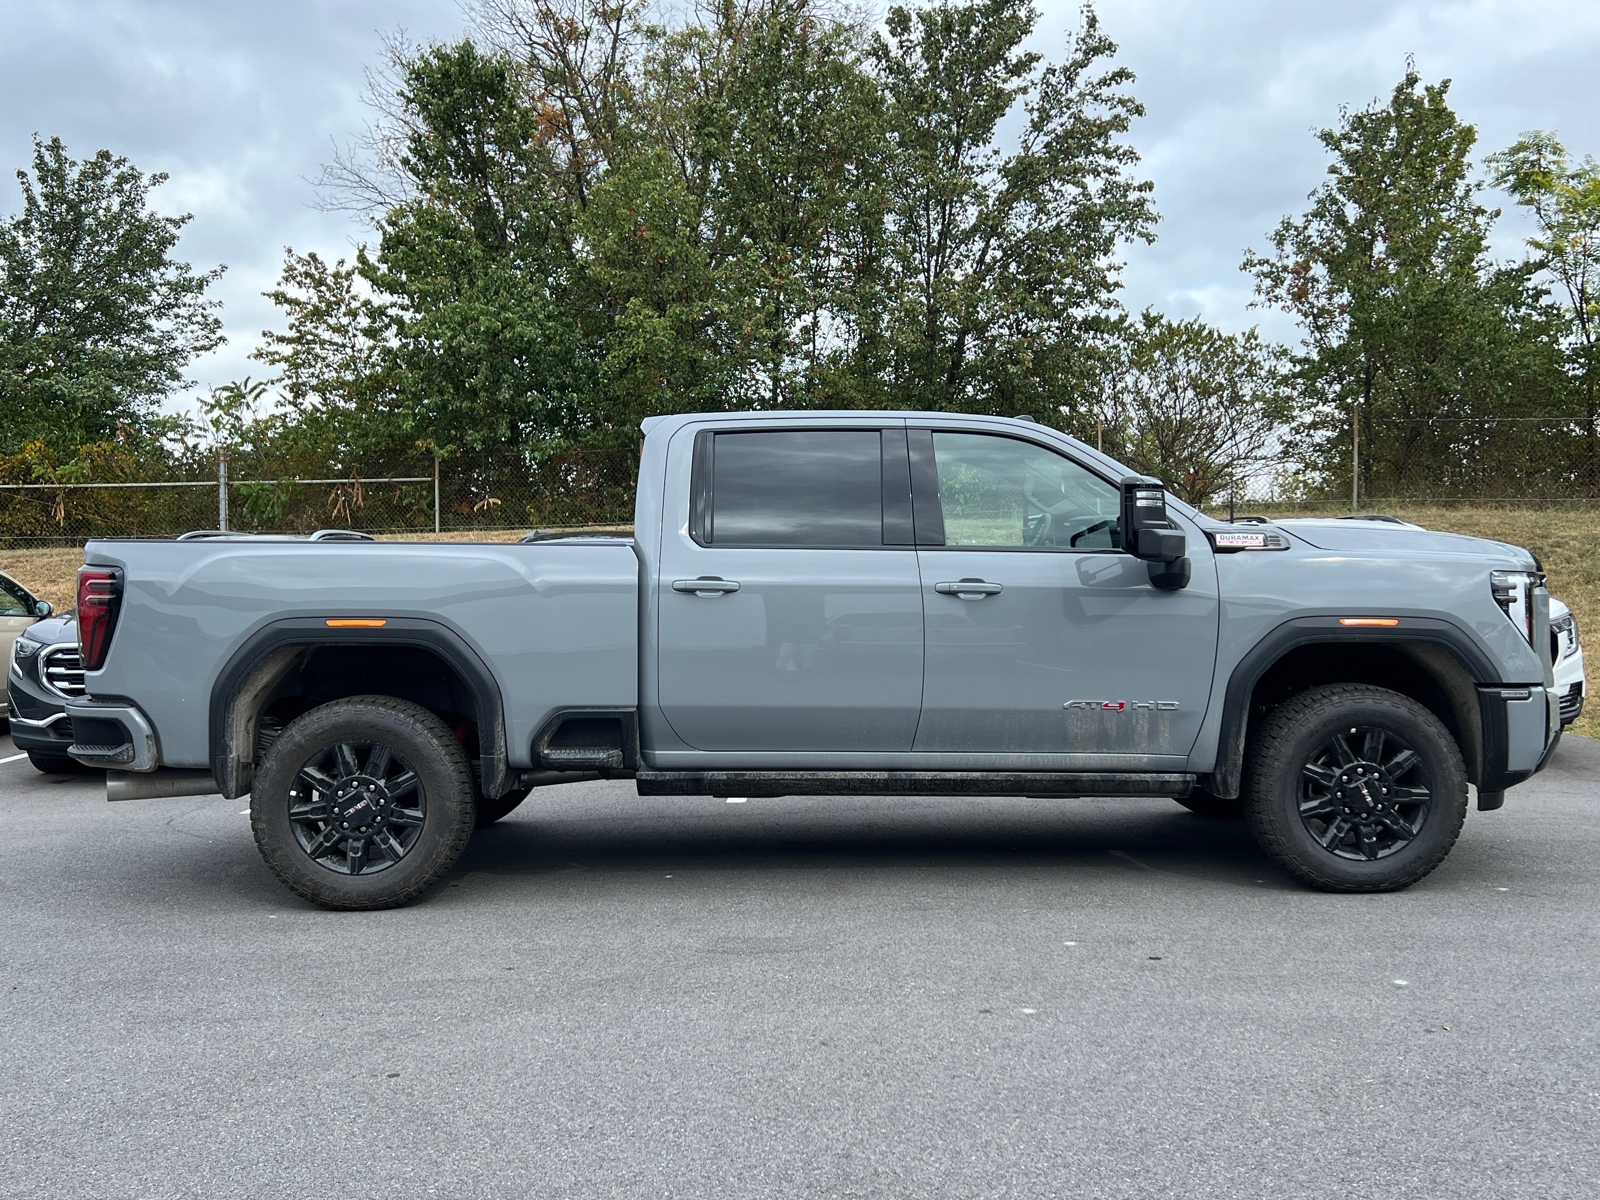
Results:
1572 703
1521 726
39 721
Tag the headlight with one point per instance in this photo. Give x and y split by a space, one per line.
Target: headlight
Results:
1564 635
1513 591
24 648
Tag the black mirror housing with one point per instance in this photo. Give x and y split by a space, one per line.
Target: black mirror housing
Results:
1160 545
1149 534
42 608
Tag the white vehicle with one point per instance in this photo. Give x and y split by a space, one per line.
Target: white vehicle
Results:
1566 651
19 608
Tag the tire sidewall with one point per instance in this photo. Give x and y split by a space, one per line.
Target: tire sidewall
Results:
1274 810
407 731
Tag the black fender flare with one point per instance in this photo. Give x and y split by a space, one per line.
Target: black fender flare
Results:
278 645
1227 775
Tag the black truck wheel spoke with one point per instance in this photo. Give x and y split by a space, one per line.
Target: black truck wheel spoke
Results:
1364 793
357 819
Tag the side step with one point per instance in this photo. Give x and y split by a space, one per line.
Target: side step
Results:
1054 784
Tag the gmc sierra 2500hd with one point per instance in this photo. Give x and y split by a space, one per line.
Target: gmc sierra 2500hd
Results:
851 603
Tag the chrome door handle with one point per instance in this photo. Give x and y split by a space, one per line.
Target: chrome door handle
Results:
709 585
968 589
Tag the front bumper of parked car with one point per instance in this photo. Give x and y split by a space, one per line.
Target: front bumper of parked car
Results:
37 711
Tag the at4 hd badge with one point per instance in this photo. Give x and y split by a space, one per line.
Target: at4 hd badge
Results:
1120 705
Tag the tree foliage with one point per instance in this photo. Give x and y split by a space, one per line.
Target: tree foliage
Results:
97 319
1197 408
586 215
1564 197
1408 324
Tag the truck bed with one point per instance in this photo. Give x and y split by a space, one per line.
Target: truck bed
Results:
555 623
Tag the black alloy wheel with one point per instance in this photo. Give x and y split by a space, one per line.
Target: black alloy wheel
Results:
357 807
362 803
1365 793
1354 788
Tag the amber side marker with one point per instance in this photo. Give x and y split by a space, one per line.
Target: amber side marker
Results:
1345 621
355 622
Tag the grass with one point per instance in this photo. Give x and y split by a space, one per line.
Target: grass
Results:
1567 543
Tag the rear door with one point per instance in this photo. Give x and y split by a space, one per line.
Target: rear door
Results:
790 610
1043 636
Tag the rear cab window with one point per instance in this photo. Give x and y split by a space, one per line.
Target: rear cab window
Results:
819 488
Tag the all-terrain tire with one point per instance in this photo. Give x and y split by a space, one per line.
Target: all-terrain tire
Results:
1204 804
1289 781
427 822
491 810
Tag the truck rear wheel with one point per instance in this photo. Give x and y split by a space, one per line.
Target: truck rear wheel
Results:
362 803
1355 788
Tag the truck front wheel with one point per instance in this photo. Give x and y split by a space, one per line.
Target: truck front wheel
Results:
362 803
1355 788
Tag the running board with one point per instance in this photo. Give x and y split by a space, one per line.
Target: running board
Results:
1043 784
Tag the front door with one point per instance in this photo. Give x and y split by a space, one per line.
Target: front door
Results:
791 608
16 614
1043 637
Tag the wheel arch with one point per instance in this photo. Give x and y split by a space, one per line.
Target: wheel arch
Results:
275 654
1432 661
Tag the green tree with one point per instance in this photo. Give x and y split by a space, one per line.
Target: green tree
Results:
1000 282
1199 409
97 319
1564 197
1407 323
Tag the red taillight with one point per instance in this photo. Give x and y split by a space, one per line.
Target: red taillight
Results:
99 597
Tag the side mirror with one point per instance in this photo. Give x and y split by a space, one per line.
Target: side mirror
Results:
42 609
1149 534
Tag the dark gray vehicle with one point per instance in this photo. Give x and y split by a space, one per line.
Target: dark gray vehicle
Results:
852 603
46 671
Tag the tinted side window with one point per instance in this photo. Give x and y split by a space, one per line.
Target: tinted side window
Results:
1000 491
797 488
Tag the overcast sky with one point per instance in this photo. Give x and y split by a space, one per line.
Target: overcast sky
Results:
238 103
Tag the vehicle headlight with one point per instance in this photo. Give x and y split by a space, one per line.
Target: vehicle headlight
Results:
1564 635
1513 592
24 648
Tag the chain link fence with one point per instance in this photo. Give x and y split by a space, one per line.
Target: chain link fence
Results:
1497 462
1530 462
489 492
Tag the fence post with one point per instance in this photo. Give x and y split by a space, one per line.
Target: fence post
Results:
1355 457
222 489
436 493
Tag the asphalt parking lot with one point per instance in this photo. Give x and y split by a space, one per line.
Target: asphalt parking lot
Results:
617 996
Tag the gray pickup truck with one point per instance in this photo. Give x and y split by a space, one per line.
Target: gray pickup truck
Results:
851 603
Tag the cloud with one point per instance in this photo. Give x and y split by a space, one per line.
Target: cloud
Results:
239 103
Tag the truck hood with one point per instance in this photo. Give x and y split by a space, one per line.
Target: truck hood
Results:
1358 536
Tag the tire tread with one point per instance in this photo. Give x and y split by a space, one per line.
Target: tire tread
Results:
1264 757
447 754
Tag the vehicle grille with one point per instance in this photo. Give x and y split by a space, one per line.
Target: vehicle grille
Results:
1572 702
61 668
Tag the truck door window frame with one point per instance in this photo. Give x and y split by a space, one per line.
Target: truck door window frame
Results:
928 509
898 526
